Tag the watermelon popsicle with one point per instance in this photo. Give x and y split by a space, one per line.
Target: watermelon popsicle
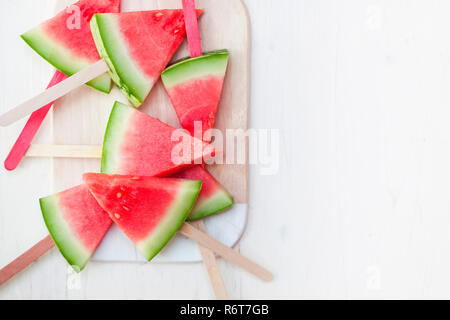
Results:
55 33
76 223
65 40
140 145
195 86
149 210
135 47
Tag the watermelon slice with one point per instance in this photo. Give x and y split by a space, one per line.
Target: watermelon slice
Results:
137 46
69 46
76 223
212 199
137 144
195 87
149 211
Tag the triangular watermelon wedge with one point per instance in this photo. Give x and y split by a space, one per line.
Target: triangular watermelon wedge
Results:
140 145
195 87
66 42
137 46
76 223
149 211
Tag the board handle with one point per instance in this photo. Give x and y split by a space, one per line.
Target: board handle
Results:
226 252
54 93
26 259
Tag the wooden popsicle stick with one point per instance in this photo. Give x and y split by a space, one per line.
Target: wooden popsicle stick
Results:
226 252
187 230
212 268
32 126
26 259
64 151
54 93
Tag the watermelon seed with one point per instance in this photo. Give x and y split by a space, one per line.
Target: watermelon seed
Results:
117 216
119 195
176 31
159 14
126 209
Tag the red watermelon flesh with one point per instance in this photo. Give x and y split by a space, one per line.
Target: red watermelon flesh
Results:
69 46
149 210
80 40
161 29
138 46
137 144
201 106
195 87
76 223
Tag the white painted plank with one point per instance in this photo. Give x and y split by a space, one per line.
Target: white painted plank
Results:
21 224
359 89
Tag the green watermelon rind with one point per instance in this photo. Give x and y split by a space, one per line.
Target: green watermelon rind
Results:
125 74
220 201
67 243
173 220
62 59
187 69
114 136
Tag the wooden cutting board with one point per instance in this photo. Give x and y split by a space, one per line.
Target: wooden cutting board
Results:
80 118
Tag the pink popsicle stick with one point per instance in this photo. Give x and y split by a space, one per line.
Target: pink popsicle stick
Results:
29 131
193 33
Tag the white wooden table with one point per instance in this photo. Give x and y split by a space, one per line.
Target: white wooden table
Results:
360 208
